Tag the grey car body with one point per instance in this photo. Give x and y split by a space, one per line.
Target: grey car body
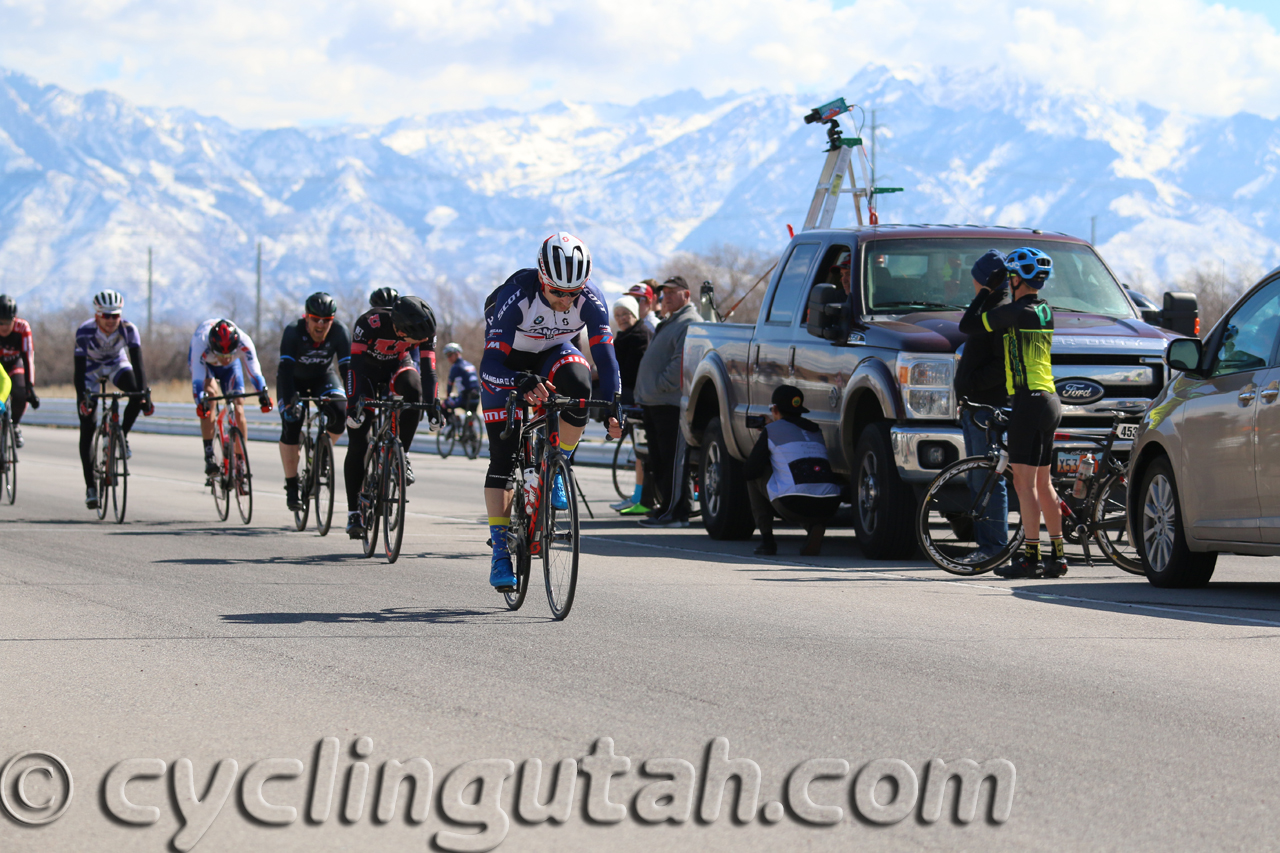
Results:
1206 461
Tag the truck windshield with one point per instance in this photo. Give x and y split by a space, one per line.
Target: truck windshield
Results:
901 276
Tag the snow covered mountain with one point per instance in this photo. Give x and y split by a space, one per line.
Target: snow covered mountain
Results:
457 200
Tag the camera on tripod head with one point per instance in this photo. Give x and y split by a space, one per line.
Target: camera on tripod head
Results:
826 114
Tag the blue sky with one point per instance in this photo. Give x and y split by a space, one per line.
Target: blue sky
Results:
280 62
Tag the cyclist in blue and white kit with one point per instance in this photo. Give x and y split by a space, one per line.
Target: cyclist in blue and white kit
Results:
217 348
530 323
107 347
463 387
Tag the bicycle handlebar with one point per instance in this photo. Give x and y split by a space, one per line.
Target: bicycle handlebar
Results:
239 395
116 395
555 402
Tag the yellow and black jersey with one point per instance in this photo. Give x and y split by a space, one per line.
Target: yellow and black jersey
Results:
1028 340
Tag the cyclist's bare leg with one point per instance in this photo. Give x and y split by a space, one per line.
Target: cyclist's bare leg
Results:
289 456
206 422
498 502
1048 497
1024 483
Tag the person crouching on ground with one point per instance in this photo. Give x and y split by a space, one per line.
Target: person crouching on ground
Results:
788 472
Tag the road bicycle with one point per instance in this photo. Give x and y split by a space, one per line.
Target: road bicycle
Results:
8 457
232 456
109 461
382 491
460 428
316 471
957 500
537 527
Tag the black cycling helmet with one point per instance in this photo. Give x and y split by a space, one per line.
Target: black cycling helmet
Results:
321 305
384 297
414 317
8 308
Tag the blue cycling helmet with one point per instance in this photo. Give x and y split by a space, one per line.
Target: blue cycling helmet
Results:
1033 265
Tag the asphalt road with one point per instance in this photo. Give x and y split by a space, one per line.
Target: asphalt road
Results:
1136 718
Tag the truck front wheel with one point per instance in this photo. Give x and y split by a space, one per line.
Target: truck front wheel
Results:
883 505
726 511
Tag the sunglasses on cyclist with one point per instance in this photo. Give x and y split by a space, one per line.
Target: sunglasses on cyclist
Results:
320 319
555 291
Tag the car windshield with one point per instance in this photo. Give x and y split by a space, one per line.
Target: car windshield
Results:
900 276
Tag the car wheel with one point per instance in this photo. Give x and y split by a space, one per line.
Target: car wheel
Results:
726 509
884 507
1162 542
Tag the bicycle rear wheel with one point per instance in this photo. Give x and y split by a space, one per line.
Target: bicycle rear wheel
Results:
370 504
241 478
306 476
1110 517
624 460
102 468
559 540
471 432
119 476
393 501
9 459
322 475
953 505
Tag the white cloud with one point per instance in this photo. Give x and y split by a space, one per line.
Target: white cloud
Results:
269 62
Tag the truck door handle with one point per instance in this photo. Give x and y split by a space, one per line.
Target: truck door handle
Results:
757 358
1270 393
791 362
1248 393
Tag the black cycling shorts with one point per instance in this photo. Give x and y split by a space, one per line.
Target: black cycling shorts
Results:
572 379
328 386
1035 418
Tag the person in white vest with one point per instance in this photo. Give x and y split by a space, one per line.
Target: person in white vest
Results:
788 473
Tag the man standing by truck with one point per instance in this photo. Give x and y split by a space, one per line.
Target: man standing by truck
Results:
980 379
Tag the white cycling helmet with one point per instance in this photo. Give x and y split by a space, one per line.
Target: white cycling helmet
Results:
109 302
564 262
452 348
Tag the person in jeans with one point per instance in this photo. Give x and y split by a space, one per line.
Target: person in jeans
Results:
789 473
658 384
980 378
630 344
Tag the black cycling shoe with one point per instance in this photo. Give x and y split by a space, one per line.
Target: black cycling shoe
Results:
210 465
1055 567
291 495
355 525
409 479
1021 566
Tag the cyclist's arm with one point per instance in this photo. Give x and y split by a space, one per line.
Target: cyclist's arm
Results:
250 355
6 385
196 357
427 369
341 347
133 343
600 339
78 377
971 322
284 371
1014 315
28 355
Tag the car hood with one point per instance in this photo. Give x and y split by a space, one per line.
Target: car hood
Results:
1073 332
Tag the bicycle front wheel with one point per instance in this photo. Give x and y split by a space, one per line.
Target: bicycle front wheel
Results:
518 546
1110 520
218 482
9 459
119 476
559 539
306 476
102 467
322 475
370 500
957 502
241 478
393 501
471 430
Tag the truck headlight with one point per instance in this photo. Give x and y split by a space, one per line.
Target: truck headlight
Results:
925 381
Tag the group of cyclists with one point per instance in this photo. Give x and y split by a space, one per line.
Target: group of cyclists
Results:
531 321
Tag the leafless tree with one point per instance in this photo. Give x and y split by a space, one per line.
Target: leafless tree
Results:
733 270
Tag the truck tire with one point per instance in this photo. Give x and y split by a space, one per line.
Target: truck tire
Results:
884 507
1161 540
726 510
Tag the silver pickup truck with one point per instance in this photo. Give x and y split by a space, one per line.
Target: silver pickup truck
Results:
876 363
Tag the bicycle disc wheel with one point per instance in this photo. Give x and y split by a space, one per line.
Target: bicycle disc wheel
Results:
560 540
1110 517
306 476
119 476
241 478
444 440
9 455
393 501
471 436
952 507
624 459
370 508
322 478
102 468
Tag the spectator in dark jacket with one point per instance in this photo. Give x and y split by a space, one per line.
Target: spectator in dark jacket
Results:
788 473
980 378
630 344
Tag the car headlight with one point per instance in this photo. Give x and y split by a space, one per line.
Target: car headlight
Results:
925 381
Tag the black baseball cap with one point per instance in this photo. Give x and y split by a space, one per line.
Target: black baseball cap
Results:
789 400
676 281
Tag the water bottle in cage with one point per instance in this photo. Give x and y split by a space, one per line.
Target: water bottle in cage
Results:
1084 473
530 491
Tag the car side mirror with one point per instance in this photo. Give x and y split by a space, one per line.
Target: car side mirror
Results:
826 303
1184 354
1181 313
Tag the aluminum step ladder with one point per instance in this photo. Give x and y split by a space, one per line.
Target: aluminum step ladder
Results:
838 170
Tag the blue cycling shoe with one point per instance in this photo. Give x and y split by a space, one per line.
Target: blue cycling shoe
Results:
559 495
502 576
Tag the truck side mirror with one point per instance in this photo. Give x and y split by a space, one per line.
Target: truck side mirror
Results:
1181 313
1184 354
826 303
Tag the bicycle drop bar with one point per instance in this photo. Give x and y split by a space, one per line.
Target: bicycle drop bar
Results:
116 395
558 402
228 397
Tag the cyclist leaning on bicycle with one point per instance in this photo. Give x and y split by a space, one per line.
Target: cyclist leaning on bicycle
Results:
463 388
1027 324
18 358
109 347
308 349
530 322
393 350
217 349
